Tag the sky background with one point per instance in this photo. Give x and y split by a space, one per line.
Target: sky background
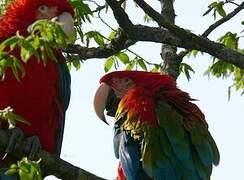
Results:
88 141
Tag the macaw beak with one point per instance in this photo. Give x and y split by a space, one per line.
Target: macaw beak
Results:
100 101
67 23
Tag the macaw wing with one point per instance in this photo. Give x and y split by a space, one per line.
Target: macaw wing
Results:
169 149
175 152
65 82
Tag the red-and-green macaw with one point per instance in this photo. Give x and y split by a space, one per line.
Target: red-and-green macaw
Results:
42 96
159 133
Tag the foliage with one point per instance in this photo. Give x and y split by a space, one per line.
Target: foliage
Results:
3 4
7 114
26 169
216 7
83 14
219 67
186 69
45 36
222 69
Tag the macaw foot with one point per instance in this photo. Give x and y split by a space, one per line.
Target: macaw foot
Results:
16 136
32 144
32 147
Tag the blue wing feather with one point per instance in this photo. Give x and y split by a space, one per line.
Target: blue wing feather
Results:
65 91
127 150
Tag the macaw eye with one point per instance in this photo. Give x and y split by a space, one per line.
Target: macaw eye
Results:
43 8
126 80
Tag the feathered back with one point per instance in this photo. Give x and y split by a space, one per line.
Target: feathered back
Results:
21 13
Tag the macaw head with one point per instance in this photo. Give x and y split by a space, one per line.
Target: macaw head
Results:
22 13
120 82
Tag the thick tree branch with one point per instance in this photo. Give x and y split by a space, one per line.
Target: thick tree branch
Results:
179 37
51 164
121 42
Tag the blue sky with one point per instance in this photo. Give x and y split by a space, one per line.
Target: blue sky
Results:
88 142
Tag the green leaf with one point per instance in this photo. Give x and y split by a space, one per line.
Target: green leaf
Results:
12 41
11 172
147 18
112 35
109 63
124 58
186 69
130 65
225 70
193 53
96 36
220 10
82 11
76 63
142 64
231 40
156 68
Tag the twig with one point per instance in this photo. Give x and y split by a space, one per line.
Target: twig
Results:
182 54
223 20
140 57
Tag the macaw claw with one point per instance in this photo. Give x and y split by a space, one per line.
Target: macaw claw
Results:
16 136
32 147
32 144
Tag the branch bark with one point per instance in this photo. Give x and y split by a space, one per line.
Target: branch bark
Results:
121 42
50 164
178 36
168 52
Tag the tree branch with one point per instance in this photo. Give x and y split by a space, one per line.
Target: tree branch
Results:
212 27
179 36
117 44
50 164
86 53
223 20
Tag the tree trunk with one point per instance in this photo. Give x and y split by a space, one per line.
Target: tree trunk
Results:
168 53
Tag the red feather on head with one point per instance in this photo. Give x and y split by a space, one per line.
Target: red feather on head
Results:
155 85
139 100
149 80
21 13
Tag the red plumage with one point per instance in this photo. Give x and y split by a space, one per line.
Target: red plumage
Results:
139 102
37 96
121 175
149 87
21 13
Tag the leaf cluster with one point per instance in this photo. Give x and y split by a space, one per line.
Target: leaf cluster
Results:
8 115
220 68
26 169
216 7
83 13
45 36
130 64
